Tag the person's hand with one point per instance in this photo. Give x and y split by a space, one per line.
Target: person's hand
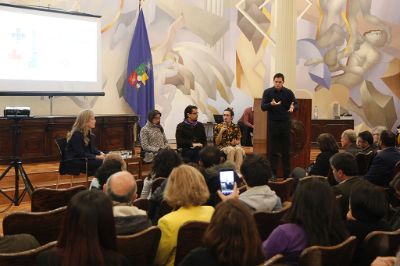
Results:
291 108
234 142
233 195
101 156
197 144
223 128
384 261
274 103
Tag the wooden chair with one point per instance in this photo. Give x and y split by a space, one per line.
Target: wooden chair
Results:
275 260
267 221
142 204
27 257
46 199
140 248
341 254
134 166
62 170
363 161
44 226
282 188
242 189
190 236
139 184
380 243
156 183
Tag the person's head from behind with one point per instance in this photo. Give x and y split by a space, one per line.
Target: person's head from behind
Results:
154 117
112 163
387 139
367 203
256 170
228 115
232 228
121 187
314 208
279 79
87 230
344 165
376 133
365 139
209 156
348 137
191 113
164 162
327 143
186 187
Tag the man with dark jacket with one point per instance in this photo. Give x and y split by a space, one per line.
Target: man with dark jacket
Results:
190 135
344 168
381 170
121 189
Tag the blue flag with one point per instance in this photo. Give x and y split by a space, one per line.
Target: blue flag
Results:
139 89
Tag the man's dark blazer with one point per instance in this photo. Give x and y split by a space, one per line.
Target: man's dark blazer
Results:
344 189
382 166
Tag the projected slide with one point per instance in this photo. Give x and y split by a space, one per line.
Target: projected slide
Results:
47 48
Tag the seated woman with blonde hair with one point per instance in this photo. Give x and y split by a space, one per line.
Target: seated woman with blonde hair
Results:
81 146
187 191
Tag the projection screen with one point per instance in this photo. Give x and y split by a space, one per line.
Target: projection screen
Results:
49 52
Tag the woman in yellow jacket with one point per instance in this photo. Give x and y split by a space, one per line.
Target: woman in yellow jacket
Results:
187 190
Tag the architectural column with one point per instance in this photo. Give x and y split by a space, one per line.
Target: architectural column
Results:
284 27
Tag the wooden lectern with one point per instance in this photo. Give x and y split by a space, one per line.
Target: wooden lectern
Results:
300 133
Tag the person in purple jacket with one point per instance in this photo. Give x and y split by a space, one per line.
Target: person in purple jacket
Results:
313 219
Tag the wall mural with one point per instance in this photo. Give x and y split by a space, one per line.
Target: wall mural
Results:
216 54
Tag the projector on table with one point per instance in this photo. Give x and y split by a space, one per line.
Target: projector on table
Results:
17 112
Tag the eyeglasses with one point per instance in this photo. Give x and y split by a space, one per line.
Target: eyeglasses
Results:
194 113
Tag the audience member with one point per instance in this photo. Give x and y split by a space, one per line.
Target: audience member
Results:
190 135
258 196
328 147
187 191
380 171
376 133
87 235
81 146
368 206
211 164
313 219
17 243
227 137
246 124
112 163
365 142
345 169
395 210
349 141
162 166
231 238
152 137
121 188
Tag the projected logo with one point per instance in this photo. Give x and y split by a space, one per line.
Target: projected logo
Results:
139 76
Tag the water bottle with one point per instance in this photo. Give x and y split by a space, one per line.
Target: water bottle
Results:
316 112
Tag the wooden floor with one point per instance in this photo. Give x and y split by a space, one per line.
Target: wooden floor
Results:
45 175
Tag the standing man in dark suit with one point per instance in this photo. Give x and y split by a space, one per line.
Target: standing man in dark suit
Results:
280 102
190 135
381 170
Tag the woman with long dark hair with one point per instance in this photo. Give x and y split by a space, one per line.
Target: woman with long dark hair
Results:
313 219
231 238
328 147
87 235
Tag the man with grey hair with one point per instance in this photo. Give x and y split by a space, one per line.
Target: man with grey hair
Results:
349 141
121 188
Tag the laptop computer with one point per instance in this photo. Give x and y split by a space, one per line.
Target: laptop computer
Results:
218 118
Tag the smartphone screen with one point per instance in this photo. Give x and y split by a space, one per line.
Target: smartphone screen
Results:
227 181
